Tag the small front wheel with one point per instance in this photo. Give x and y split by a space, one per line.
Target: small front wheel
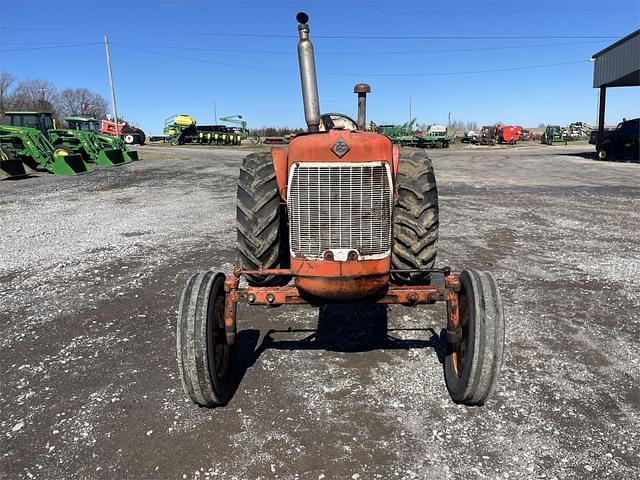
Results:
204 356
473 364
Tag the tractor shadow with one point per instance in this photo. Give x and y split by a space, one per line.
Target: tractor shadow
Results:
341 328
591 155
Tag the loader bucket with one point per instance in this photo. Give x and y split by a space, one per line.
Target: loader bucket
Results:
13 168
10 164
110 157
69 165
132 155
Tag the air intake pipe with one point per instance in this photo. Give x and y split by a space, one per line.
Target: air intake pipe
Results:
308 75
362 89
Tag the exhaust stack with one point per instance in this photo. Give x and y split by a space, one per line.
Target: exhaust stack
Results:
308 75
362 89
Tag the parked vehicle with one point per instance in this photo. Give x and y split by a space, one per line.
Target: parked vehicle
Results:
618 144
553 135
509 134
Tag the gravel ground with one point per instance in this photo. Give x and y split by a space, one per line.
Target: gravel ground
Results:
93 266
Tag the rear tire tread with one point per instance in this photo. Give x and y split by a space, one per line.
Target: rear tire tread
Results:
262 236
415 219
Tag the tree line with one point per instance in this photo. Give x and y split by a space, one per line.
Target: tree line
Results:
36 95
274 131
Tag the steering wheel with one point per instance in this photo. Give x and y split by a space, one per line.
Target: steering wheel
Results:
337 120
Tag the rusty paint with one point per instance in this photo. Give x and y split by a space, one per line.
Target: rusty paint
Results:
454 331
342 281
402 295
363 146
231 285
279 156
395 161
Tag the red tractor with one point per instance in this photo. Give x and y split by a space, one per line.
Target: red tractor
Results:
340 216
126 132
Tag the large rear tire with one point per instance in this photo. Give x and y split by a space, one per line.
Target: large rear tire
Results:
203 354
473 364
261 220
415 218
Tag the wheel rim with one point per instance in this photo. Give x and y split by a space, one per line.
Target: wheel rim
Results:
460 348
218 347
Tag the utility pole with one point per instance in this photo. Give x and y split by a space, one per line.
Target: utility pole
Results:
409 124
42 100
113 91
449 124
215 113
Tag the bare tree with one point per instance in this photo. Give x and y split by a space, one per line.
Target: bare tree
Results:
35 95
82 102
6 80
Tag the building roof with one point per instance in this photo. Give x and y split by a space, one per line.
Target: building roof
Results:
618 65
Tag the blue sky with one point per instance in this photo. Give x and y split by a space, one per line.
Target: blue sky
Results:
176 56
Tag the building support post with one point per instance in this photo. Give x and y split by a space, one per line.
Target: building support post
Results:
601 109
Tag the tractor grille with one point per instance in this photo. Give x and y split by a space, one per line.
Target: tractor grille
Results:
343 206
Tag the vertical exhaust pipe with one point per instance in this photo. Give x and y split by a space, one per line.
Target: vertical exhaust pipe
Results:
308 75
362 89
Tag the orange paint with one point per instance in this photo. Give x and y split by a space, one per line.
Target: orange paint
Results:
341 281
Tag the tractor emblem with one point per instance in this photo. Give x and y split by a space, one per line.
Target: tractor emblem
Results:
340 148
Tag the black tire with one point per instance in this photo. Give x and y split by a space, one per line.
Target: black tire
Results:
415 218
204 357
261 220
472 366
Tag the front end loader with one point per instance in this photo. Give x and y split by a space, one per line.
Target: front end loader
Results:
83 143
33 149
340 216
103 141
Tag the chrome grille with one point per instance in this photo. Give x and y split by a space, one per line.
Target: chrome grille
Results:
344 206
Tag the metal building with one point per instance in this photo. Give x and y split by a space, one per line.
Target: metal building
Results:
618 65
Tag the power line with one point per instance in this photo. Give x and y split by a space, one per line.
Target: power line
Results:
342 74
48 47
467 72
376 53
337 36
213 62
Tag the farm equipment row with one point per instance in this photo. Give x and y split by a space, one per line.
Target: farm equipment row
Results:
495 134
33 140
182 129
406 136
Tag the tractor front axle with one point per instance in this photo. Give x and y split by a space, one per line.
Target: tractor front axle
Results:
443 287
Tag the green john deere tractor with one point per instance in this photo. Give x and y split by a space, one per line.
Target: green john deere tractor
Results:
33 148
553 135
83 143
91 125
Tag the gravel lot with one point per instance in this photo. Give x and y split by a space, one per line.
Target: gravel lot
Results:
90 278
